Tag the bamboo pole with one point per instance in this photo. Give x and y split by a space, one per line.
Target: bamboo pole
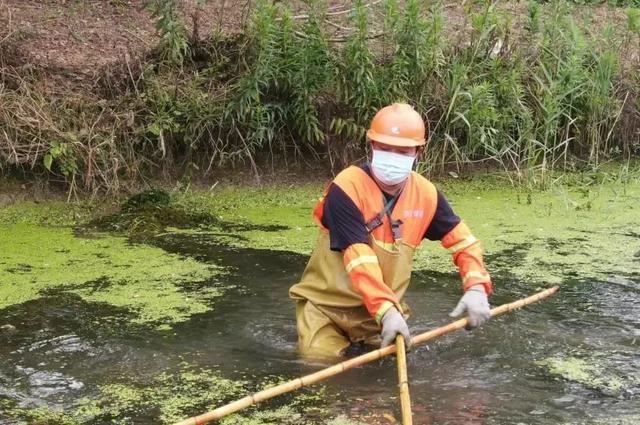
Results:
351 363
403 382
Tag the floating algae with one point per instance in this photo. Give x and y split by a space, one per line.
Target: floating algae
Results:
149 281
50 213
556 236
277 218
169 398
585 373
555 240
284 415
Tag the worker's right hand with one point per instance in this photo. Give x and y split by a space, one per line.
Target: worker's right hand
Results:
393 324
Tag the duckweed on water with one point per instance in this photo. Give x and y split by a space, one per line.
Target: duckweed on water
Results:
556 239
539 237
580 371
534 237
46 416
51 213
542 237
149 281
169 398
278 218
284 415
172 397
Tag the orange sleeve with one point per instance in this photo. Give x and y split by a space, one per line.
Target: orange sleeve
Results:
366 278
467 255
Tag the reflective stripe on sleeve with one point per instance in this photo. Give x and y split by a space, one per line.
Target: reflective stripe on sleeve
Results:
382 310
475 275
465 243
363 259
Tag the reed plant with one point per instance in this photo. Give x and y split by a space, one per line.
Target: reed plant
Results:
274 103
527 94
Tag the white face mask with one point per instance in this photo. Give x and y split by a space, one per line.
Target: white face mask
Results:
391 168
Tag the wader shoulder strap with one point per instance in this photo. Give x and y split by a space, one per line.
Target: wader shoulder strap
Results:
377 221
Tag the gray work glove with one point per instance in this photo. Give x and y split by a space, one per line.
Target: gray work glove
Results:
392 324
475 303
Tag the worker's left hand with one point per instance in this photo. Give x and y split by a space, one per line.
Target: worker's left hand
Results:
476 304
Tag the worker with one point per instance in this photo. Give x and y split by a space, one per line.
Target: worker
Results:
372 218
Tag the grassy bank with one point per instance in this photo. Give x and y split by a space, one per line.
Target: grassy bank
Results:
527 87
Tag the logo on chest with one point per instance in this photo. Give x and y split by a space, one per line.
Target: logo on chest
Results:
413 214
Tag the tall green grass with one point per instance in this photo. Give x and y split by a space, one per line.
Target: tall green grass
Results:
528 95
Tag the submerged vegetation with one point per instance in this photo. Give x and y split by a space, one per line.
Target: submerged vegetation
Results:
549 87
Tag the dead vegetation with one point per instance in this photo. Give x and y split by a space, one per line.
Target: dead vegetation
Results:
89 97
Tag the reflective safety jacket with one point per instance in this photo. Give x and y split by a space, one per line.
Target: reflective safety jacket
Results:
375 271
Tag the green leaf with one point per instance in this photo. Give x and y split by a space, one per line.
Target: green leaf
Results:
155 129
48 160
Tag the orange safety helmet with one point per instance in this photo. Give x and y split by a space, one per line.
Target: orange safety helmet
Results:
397 125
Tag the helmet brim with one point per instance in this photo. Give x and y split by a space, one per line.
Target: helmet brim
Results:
386 139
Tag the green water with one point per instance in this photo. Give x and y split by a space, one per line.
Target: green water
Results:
114 320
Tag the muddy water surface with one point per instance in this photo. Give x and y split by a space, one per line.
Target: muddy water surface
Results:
68 356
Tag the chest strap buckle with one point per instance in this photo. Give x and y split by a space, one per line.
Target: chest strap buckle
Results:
377 221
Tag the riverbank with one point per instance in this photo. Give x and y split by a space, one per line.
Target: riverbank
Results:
521 86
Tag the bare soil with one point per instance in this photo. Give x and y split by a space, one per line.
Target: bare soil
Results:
74 41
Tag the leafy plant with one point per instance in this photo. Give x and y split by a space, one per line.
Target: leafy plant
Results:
61 153
552 97
173 39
